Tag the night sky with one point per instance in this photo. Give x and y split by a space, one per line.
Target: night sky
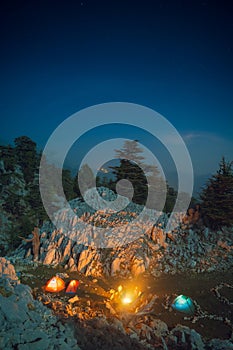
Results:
175 57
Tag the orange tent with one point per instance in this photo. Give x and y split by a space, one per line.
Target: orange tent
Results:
55 284
72 286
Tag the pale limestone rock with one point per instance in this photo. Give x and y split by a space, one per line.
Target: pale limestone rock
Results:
7 270
116 266
53 235
43 235
71 265
74 299
160 328
60 241
29 252
50 256
138 266
67 249
85 258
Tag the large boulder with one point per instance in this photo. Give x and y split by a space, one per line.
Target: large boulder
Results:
138 266
7 270
186 338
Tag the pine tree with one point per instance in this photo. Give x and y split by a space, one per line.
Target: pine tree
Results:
132 151
68 184
170 199
7 154
130 169
217 197
26 156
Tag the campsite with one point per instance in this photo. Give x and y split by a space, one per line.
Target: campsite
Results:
116 175
92 292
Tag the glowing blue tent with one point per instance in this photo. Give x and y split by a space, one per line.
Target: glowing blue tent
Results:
183 304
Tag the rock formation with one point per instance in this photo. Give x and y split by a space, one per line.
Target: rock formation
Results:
26 323
154 249
35 242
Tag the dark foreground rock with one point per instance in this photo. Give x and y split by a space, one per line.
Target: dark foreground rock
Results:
26 323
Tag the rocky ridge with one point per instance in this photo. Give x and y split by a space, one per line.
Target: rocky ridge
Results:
188 247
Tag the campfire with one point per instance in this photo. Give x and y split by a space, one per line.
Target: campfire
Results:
126 298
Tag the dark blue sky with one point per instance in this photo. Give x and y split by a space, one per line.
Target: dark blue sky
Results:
176 57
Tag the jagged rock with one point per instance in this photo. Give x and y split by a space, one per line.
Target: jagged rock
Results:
7 270
116 266
159 236
87 262
224 245
188 337
29 253
67 249
138 266
176 251
74 299
118 325
192 264
35 242
219 344
85 258
206 233
171 236
26 323
50 256
71 264
159 327
193 216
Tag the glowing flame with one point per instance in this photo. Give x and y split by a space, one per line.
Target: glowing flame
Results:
126 297
127 300
119 288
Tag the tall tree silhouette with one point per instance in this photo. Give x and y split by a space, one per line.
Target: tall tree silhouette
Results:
26 156
217 197
130 168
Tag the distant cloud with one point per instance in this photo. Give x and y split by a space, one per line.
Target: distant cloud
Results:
192 136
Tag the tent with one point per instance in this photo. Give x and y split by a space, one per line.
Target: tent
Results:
183 304
72 287
55 284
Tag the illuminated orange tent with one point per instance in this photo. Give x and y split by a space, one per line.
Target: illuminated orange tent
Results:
72 286
55 284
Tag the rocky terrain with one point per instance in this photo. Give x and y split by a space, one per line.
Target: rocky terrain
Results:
91 319
98 321
188 247
25 322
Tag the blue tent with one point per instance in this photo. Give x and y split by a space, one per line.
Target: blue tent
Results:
183 304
